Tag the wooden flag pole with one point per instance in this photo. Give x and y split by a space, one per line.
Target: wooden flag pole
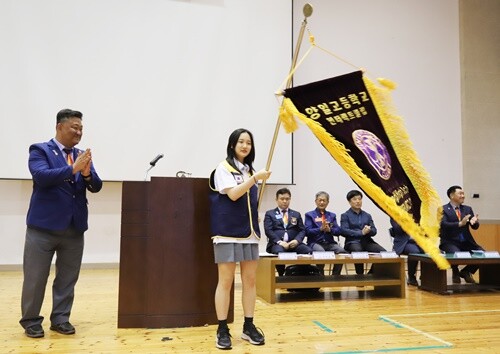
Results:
307 11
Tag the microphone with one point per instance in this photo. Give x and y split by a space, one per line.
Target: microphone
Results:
152 163
182 174
155 160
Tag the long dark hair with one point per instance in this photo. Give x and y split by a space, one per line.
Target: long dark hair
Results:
231 143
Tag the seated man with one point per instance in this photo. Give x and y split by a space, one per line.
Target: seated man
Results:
404 244
284 228
358 229
455 233
321 226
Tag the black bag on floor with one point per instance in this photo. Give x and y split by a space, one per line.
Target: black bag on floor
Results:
302 270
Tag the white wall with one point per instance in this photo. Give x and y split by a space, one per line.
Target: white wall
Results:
150 77
413 42
480 49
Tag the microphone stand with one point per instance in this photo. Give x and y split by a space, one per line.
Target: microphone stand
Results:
307 11
146 176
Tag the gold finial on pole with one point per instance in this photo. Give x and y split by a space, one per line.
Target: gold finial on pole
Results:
307 10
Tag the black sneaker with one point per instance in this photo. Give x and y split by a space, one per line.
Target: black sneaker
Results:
253 335
35 331
412 281
223 338
63 328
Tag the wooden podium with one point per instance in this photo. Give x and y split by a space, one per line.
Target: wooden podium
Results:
167 271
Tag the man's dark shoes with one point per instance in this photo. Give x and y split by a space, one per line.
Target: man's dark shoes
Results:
35 331
223 338
412 281
252 334
468 277
63 328
456 278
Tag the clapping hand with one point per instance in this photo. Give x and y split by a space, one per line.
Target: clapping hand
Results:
83 162
325 227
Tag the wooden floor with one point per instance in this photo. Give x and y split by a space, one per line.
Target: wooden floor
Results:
345 320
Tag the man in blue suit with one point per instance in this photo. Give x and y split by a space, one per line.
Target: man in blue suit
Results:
358 229
321 227
56 221
405 244
284 228
455 231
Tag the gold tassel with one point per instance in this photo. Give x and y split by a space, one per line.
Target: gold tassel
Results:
286 116
391 85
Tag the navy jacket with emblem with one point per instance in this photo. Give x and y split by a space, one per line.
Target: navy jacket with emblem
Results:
59 198
450 231
275 228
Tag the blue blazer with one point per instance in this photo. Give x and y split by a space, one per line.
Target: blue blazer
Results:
351 225
59 197
313 224
275 228
401 238
450 232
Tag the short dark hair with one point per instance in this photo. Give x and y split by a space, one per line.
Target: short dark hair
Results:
66 113
282 191
231 143
354 193
451 190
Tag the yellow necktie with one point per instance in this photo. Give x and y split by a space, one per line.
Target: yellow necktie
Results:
69 156
285 217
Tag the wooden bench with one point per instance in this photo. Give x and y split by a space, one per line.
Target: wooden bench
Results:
435 280
388 278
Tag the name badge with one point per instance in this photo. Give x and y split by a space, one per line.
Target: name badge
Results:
388 254
287 255
360 255
238 179
323 255
462 255
491 254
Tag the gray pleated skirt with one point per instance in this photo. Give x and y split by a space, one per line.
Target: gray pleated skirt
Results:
235 252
